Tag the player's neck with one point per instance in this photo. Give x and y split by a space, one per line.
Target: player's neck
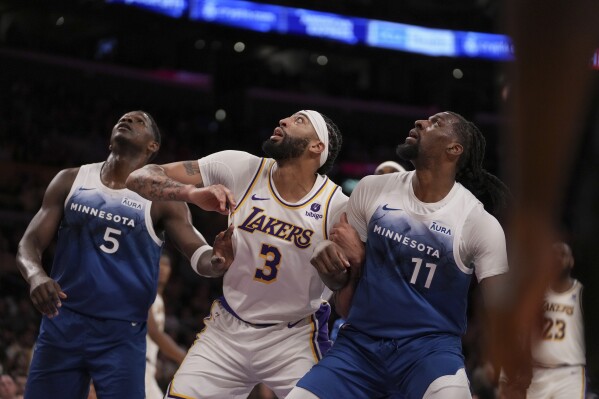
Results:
117 168
293 180
432 186
562 285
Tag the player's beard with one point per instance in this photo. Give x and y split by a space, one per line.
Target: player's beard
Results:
288 148
407 152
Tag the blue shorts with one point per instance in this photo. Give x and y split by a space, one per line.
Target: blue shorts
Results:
72 348
360 366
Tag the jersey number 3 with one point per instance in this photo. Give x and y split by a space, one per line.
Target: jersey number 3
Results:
111 244
272 258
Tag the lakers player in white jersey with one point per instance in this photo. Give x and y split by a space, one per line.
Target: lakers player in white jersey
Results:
270 326
157 340
559 354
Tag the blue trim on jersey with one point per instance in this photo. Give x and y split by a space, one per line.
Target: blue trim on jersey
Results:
326 216
228 308
321 334
282 201
249 189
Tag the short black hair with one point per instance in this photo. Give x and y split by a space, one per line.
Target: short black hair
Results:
155 132
335 142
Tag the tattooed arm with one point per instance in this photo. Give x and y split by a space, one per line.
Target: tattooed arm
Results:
180 181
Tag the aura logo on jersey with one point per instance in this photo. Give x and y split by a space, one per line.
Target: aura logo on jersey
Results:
125 221
439 228
280 229
405 240
132 203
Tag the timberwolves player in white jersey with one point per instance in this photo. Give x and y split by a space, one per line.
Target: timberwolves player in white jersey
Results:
559 355
103 279
425 236
270 326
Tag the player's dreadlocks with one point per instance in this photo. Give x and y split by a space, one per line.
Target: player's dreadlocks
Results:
335 141
491 191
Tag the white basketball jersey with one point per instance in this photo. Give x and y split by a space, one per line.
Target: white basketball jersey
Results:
157 310
271 279
562 341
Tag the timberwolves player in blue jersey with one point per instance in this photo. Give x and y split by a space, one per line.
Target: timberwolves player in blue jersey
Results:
104 275
406 288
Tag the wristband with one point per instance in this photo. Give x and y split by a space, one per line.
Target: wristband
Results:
198 253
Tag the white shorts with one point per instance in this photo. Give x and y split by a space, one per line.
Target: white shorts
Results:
230 356
153 391
558 383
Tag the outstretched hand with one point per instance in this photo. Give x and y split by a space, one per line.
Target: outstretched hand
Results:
222 250
347 238
213 198
46 295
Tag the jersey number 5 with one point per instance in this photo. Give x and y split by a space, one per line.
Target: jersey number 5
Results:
109 238
272 258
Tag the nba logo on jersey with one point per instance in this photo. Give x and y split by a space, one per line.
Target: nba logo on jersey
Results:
132 203
313 212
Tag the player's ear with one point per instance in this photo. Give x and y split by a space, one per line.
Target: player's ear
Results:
153 146
455 149
317 147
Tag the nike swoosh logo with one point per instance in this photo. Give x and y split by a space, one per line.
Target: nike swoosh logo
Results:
386 208
258 198
291 325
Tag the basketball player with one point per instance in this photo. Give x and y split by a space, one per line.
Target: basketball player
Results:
268 326
426 233
104 276
157 339
559 355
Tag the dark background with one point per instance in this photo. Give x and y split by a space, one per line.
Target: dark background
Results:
70 68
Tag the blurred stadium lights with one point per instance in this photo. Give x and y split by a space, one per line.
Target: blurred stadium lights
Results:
349 30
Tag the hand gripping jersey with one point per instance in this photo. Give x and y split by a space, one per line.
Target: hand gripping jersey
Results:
107 252
420 257
271 279
562 341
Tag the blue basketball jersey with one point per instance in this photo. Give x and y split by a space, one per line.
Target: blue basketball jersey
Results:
107 252
413 280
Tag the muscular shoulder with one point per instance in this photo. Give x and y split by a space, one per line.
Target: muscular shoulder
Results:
62 182
484 243
230 157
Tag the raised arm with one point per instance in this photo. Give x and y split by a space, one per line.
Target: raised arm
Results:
45 293
180 181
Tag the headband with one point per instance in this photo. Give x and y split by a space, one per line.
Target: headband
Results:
321 131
